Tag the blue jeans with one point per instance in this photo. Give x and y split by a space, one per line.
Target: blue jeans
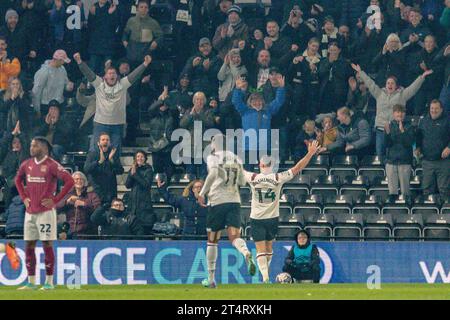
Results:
115 132
380 144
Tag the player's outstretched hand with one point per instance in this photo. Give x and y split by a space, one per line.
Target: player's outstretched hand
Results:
201 201
48 203
313 147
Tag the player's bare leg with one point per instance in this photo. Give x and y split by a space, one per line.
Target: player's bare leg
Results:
261 258
10 249
30 261
269 252
49 265
211 257
234 234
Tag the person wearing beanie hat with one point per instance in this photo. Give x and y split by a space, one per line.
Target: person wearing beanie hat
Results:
202 69
229 34
303 260
21 42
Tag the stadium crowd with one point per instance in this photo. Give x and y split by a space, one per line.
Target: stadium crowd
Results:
361 77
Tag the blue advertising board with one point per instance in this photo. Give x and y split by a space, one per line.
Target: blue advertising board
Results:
184 262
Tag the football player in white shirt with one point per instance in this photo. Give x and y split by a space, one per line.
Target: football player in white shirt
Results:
266 188
225 176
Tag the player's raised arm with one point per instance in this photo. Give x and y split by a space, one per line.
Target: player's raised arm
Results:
312 149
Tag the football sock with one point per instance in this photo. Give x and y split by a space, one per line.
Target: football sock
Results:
30 261
211 257
269 258
49 280
32 279
241 246
263 266
49 260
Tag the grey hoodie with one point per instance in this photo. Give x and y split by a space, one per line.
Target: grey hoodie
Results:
386 102
49 84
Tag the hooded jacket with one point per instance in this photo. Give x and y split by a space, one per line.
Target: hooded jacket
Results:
227 76
49 84
15 216
139 200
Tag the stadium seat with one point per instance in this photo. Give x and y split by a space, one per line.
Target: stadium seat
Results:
367 205
407 227
445 208
372 173
163 212
437 227
326 186
348 227
288 232
311 204
299 181
176 190
426 205
355 187
382 192
377 227
320 227
338 205
344 166
320 161
295 191
371 161
315 173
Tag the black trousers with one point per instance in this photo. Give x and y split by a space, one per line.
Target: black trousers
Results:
299 273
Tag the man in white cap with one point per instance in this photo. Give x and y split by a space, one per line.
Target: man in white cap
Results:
50 82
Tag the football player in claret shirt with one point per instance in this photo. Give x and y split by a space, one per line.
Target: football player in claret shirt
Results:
36 182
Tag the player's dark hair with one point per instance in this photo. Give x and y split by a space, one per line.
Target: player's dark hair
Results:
44 141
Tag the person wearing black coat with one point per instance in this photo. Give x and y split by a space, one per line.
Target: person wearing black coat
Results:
103 21
194 214
15 217
334 73
14 149
139 180
202 69
303 259
163 121
116 221
102 166
399 138
426 60
390 61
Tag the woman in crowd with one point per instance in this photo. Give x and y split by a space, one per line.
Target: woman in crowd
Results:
79 205
139 180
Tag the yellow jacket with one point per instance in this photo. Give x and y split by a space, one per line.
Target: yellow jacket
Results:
8 69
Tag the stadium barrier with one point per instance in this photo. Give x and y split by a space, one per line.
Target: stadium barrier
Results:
184 262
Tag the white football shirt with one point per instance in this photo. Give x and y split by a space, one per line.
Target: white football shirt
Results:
225 187
266 189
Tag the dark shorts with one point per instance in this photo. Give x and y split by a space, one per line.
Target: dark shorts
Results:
223 216
264 229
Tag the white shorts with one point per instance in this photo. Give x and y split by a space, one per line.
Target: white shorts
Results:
40 226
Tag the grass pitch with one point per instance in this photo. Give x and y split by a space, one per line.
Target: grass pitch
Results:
236 292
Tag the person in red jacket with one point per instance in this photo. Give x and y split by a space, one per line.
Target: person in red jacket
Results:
41 174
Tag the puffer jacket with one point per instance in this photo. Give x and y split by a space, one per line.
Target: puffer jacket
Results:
357 133
15 216
386 102
161 124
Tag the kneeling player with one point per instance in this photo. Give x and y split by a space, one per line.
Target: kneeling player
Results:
266 188
41 174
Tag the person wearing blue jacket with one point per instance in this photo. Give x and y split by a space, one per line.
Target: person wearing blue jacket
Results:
15 217
194 214
257 115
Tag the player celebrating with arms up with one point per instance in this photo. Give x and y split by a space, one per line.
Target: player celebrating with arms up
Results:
225 175
266 188
40 174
